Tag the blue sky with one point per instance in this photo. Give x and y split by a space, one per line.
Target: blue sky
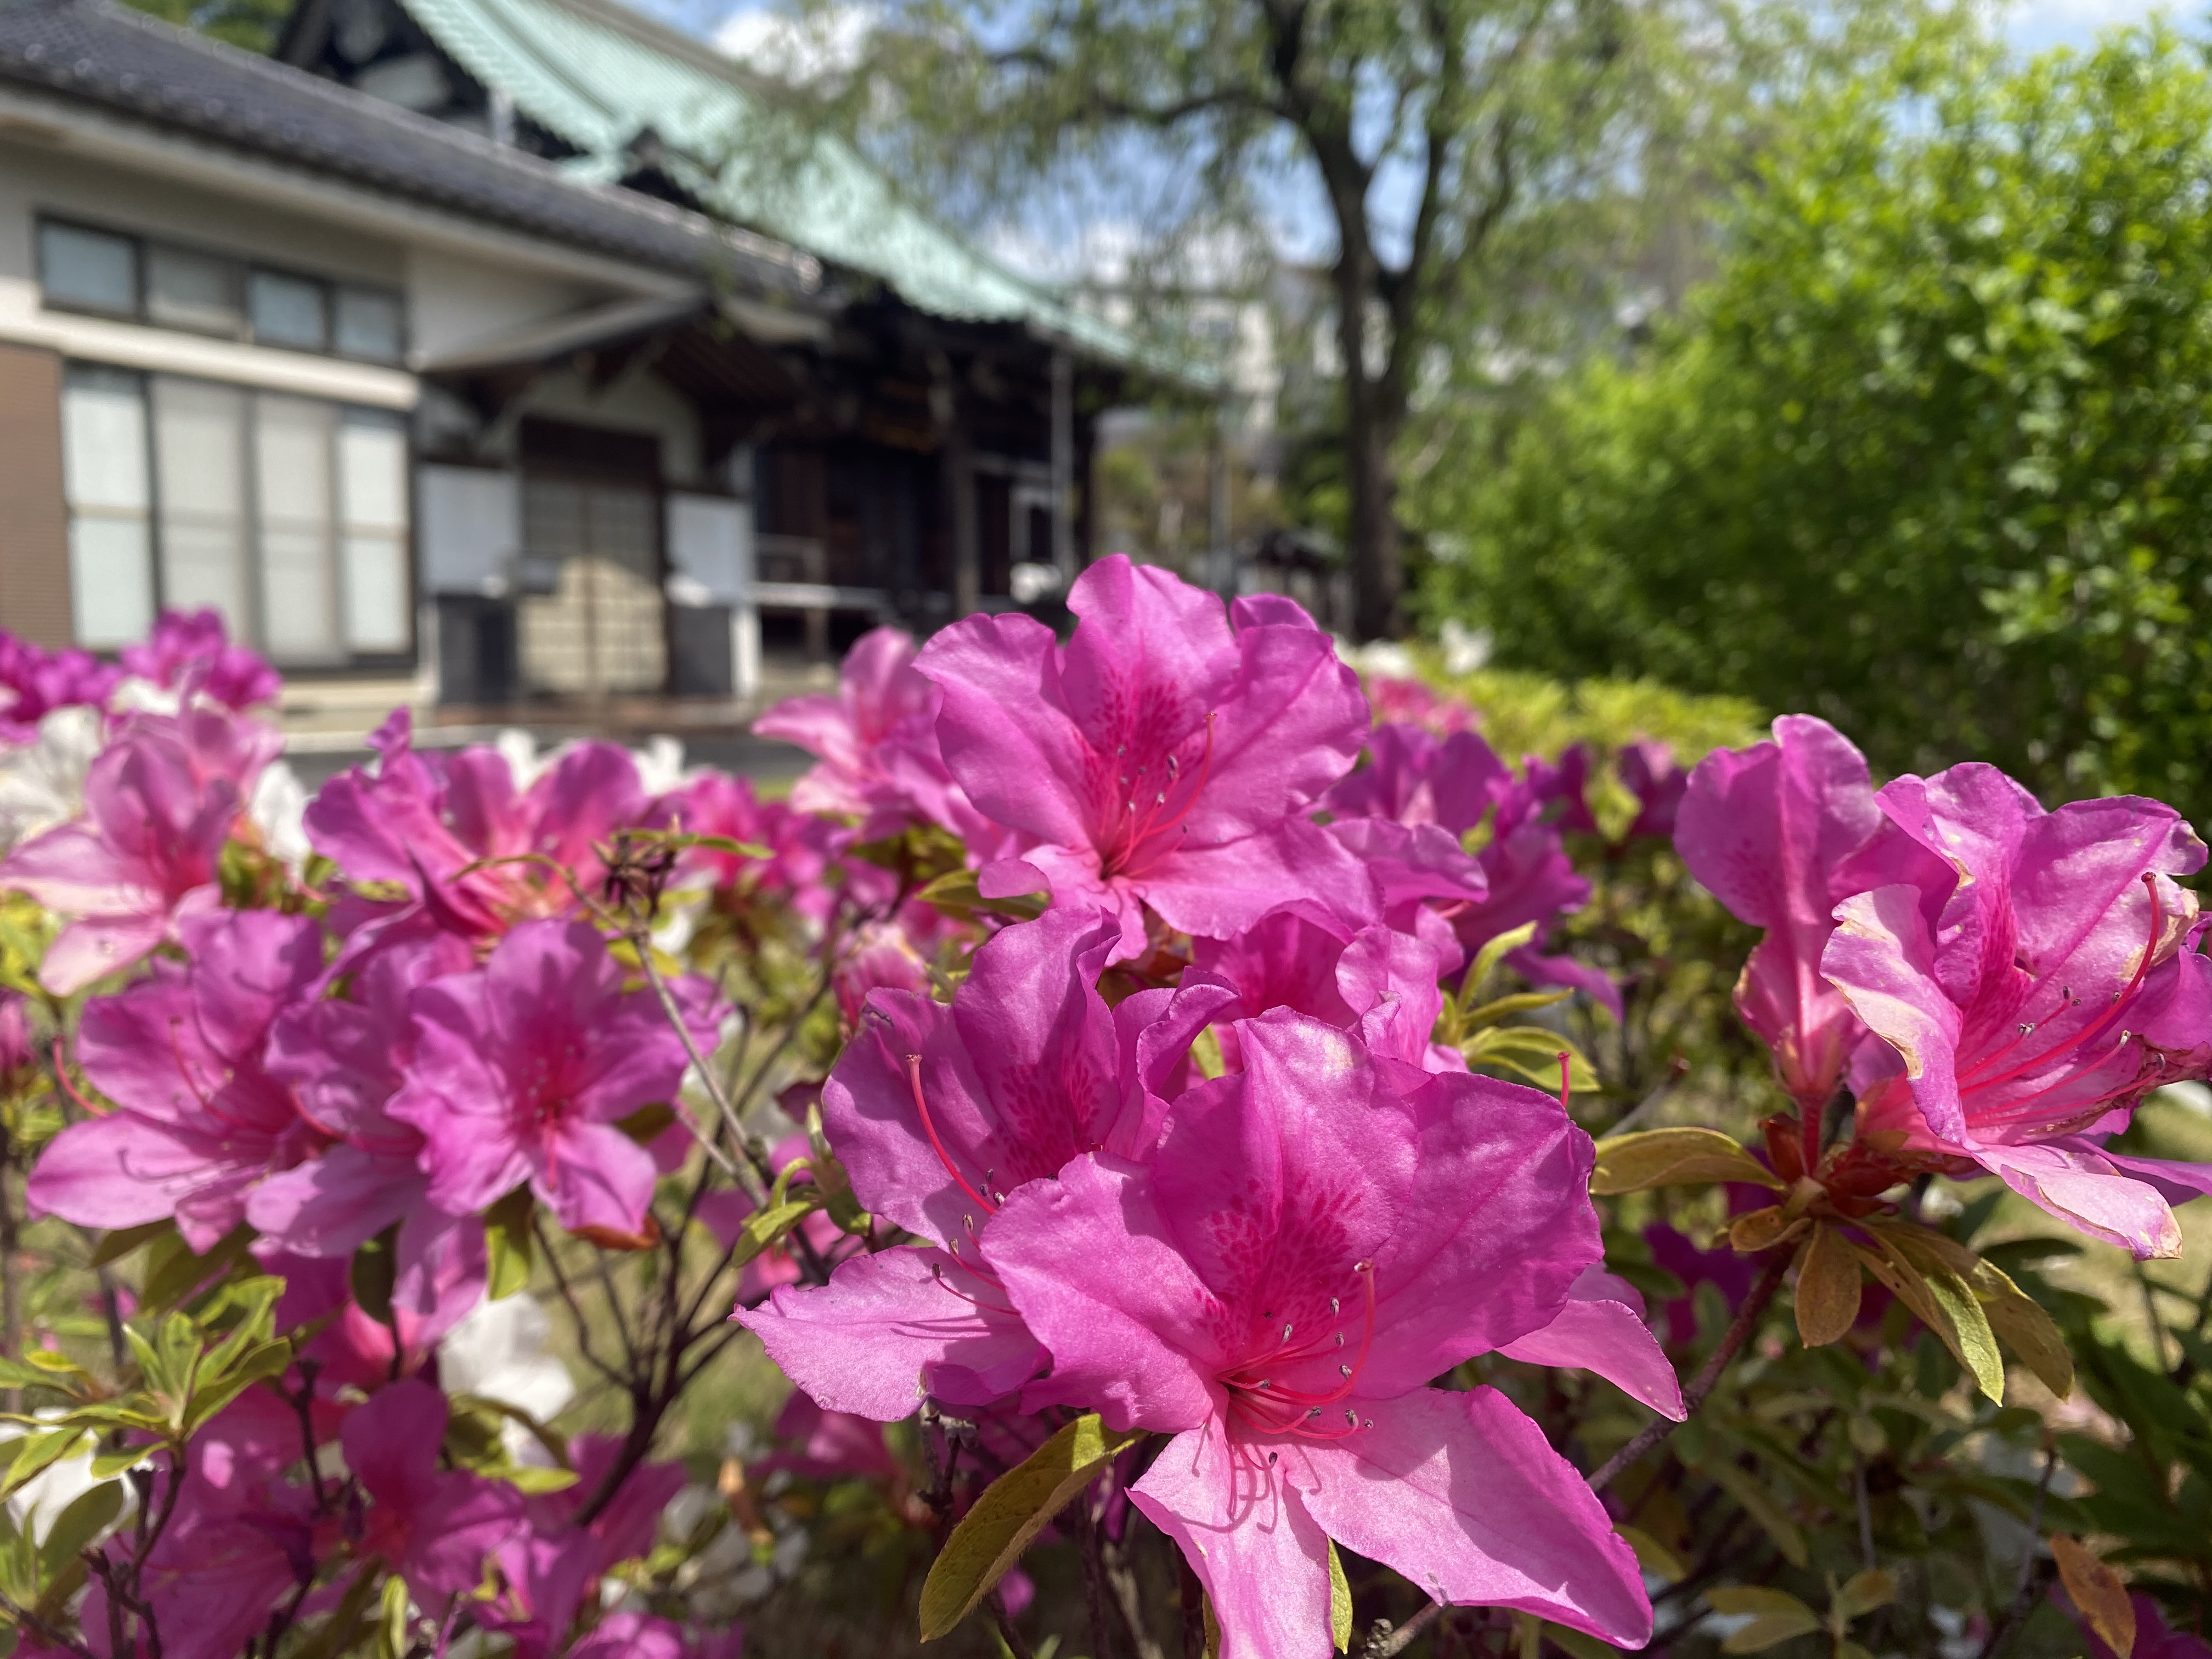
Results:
2038 24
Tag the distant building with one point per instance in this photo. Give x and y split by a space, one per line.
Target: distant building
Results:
473 380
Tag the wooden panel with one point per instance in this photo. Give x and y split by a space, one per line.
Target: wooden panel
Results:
34 570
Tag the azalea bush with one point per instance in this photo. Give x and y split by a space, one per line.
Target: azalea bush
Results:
1156 1147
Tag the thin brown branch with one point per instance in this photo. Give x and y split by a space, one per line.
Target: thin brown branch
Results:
1739 1332
1385 1642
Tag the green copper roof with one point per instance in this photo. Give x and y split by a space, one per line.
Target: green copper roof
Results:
599 75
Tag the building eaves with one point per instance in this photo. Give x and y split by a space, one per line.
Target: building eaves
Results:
601 77
94 52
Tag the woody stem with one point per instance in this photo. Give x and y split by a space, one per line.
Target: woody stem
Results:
1739 1332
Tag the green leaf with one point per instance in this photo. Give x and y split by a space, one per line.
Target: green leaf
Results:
89 1515
107 1463
765 1227
1828 1296
40 1453
1674 1158
509 1242
1011 1511
394 1619
255 1300
1520 1002
956 894
1488 958
1737 1599
342 1628
15 1375
1340 1601
1863 1592
1533 1052
2021 1325
375 1269
1760 1505
1580 1646
533 1478
116 1245
1919 1274
646 1124
268 1360
1777 1617
1653 1556
174 1272
1769 1631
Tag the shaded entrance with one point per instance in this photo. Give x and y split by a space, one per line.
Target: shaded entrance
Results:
592 619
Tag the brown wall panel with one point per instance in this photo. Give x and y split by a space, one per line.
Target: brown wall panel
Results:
35 573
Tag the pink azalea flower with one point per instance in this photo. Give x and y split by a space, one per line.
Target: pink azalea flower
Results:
1413 703
1309 1249
828 1445
2155 1637
800 845
1406 812
551 1567
192 644
1166 756
34 681
642 1636
182 1054
17 1053
238 1544
1767 830
160 801
475 853
939 1113
1602 1329
434 1528
884 956
1374 981
876 749
523 1068
1647 770
345 1060
2037 974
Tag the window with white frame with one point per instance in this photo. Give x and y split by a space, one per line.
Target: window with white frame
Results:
286 514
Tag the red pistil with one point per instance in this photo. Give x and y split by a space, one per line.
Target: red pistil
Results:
1124 856
914 1076
2089 1033
1271 1408
61 1073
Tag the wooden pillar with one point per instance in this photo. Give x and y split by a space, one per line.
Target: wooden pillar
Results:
34 560
1063 465
960 497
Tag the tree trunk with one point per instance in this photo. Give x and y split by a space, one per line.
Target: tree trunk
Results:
1378 571
1371 428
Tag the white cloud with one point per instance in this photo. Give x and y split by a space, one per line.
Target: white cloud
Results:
799 49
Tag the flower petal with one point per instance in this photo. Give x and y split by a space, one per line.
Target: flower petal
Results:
1460 1493
886 1331
1250 1541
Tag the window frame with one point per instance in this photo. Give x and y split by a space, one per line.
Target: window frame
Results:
349 662
243 268
47 300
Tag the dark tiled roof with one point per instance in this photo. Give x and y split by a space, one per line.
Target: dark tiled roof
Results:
102 54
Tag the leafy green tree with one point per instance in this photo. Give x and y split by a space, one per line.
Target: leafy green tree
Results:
1930 455
1442 145
252 24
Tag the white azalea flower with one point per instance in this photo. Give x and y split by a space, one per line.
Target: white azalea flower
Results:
42 781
